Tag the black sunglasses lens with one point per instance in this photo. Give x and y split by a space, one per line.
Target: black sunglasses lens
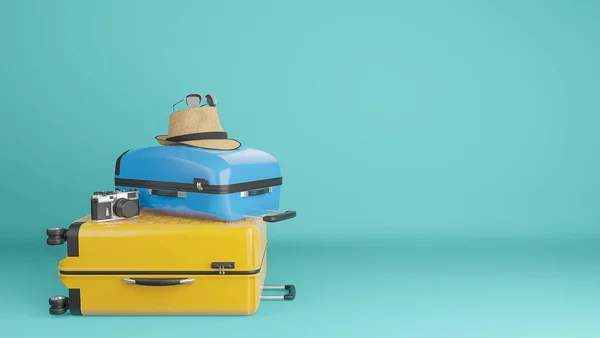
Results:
211 100
193 100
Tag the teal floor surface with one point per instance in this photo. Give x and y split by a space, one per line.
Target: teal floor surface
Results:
404 289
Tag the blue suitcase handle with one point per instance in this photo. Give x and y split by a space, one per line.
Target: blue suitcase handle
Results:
164 193
167 193
280 216
257 192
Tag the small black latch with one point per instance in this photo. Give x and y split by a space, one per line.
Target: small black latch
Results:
200 183
223 265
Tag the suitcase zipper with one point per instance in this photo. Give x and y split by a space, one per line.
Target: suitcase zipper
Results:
200 185
221 266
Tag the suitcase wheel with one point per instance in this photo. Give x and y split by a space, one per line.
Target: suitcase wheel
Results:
56 236
58 305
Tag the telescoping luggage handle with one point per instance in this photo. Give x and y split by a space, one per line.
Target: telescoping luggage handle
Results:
291 289
278 217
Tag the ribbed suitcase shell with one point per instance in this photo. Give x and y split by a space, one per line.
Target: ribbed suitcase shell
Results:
233 184
101 255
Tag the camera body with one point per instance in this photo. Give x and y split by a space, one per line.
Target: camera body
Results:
112 205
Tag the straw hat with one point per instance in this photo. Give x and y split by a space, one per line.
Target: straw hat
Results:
197 127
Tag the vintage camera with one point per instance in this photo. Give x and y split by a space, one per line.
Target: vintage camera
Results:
110 205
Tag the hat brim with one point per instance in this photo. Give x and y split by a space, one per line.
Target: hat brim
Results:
226 144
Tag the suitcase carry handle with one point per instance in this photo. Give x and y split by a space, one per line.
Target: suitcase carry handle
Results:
158 281
256 192
166 193
280 216
291 289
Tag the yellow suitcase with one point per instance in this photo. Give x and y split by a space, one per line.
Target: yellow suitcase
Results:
159 265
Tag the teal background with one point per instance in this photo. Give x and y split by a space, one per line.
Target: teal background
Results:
441 155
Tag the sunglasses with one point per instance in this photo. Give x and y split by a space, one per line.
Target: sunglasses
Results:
194 100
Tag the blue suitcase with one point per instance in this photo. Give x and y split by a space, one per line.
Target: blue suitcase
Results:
211 184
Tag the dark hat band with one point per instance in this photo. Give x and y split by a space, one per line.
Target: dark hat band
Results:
213 135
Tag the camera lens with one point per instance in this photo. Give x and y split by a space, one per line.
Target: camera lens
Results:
126 208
